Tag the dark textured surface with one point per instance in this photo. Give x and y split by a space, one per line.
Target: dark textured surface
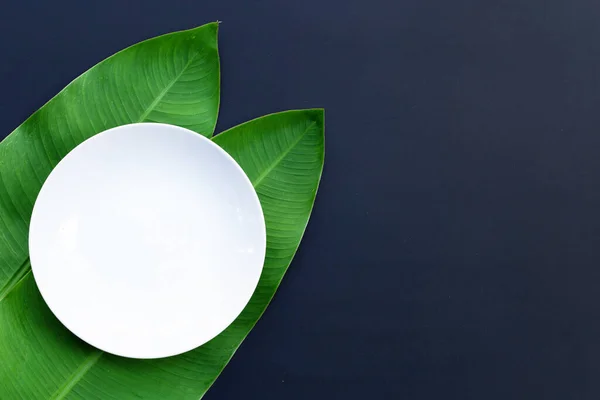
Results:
454 247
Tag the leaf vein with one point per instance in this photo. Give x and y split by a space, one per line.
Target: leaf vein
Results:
89 362
280 158
166 89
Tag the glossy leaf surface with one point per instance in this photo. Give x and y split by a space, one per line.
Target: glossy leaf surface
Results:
172 79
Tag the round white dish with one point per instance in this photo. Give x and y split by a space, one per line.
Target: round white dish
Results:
147 240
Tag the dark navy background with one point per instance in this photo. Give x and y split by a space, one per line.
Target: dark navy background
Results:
454 249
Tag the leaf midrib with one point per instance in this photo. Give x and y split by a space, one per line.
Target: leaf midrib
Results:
283 155
14 280
77 375
166 89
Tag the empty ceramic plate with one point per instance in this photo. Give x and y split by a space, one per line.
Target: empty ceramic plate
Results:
147 240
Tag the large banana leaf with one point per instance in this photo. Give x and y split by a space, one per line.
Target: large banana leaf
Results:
172 79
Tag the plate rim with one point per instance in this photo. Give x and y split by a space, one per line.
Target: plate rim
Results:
248 182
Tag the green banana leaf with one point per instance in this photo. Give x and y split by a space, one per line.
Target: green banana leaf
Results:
173 79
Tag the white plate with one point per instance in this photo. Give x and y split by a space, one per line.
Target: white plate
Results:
147 240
